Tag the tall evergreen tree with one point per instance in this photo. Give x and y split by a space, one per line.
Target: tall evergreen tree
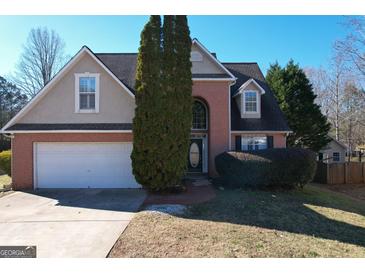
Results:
163 113
183 92
11 101
147 123
295 96
168 68
177 87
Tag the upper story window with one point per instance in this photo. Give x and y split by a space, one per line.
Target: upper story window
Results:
87 92
199 116
196 56
250 101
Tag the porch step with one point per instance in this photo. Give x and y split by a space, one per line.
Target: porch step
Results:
198 179
204 182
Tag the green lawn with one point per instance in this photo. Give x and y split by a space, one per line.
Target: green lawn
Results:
301 223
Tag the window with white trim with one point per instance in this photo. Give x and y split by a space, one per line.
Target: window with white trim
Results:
253 143
87 92
336 157
250 101
199 116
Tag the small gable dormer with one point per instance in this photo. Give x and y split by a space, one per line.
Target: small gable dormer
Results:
248 99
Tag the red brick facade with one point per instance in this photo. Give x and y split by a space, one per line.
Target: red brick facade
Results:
216 96
22 150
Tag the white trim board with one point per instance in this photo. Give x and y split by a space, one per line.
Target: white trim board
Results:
243 103
260 131
213 79
200 45
229 113
57 77
245 84
65 131
77 92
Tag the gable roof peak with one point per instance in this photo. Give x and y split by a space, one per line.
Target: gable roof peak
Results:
214 59
248 82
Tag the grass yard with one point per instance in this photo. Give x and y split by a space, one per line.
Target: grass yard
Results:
307 223
356 191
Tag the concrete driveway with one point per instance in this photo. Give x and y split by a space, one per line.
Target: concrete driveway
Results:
68 223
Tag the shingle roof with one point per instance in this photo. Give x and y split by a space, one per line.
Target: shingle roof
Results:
95 126
272 119
211 75
123 66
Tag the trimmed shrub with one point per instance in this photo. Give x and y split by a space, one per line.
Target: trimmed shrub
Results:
277 167
5 161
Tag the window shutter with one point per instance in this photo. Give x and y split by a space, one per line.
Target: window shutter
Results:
270 141
238 143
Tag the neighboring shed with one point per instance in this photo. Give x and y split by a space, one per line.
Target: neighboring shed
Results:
333 152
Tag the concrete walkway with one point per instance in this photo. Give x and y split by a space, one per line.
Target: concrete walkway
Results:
68 223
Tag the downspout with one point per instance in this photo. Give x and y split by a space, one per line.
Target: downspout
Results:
229 114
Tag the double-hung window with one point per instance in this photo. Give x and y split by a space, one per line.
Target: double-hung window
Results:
250 101
87 92
253 143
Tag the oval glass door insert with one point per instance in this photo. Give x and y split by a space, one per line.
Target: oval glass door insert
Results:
194 155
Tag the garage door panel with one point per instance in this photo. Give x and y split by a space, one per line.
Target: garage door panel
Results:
84 165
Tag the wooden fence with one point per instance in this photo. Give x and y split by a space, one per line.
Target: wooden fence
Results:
340 173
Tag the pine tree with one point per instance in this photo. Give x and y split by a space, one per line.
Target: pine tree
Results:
295 96
147 122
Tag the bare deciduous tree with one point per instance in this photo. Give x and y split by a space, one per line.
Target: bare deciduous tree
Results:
341 99
329 85
353 46
42 57
353 115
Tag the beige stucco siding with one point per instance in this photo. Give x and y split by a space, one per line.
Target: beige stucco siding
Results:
58 106
207 65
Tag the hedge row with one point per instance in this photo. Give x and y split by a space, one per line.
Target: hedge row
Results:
277 167
5 161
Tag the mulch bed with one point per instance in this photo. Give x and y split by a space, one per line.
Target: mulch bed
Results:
192 195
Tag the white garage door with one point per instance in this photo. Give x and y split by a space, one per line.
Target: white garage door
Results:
83 165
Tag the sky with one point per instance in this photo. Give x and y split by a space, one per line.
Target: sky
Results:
308 40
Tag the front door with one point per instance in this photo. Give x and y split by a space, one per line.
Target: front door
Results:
195 156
